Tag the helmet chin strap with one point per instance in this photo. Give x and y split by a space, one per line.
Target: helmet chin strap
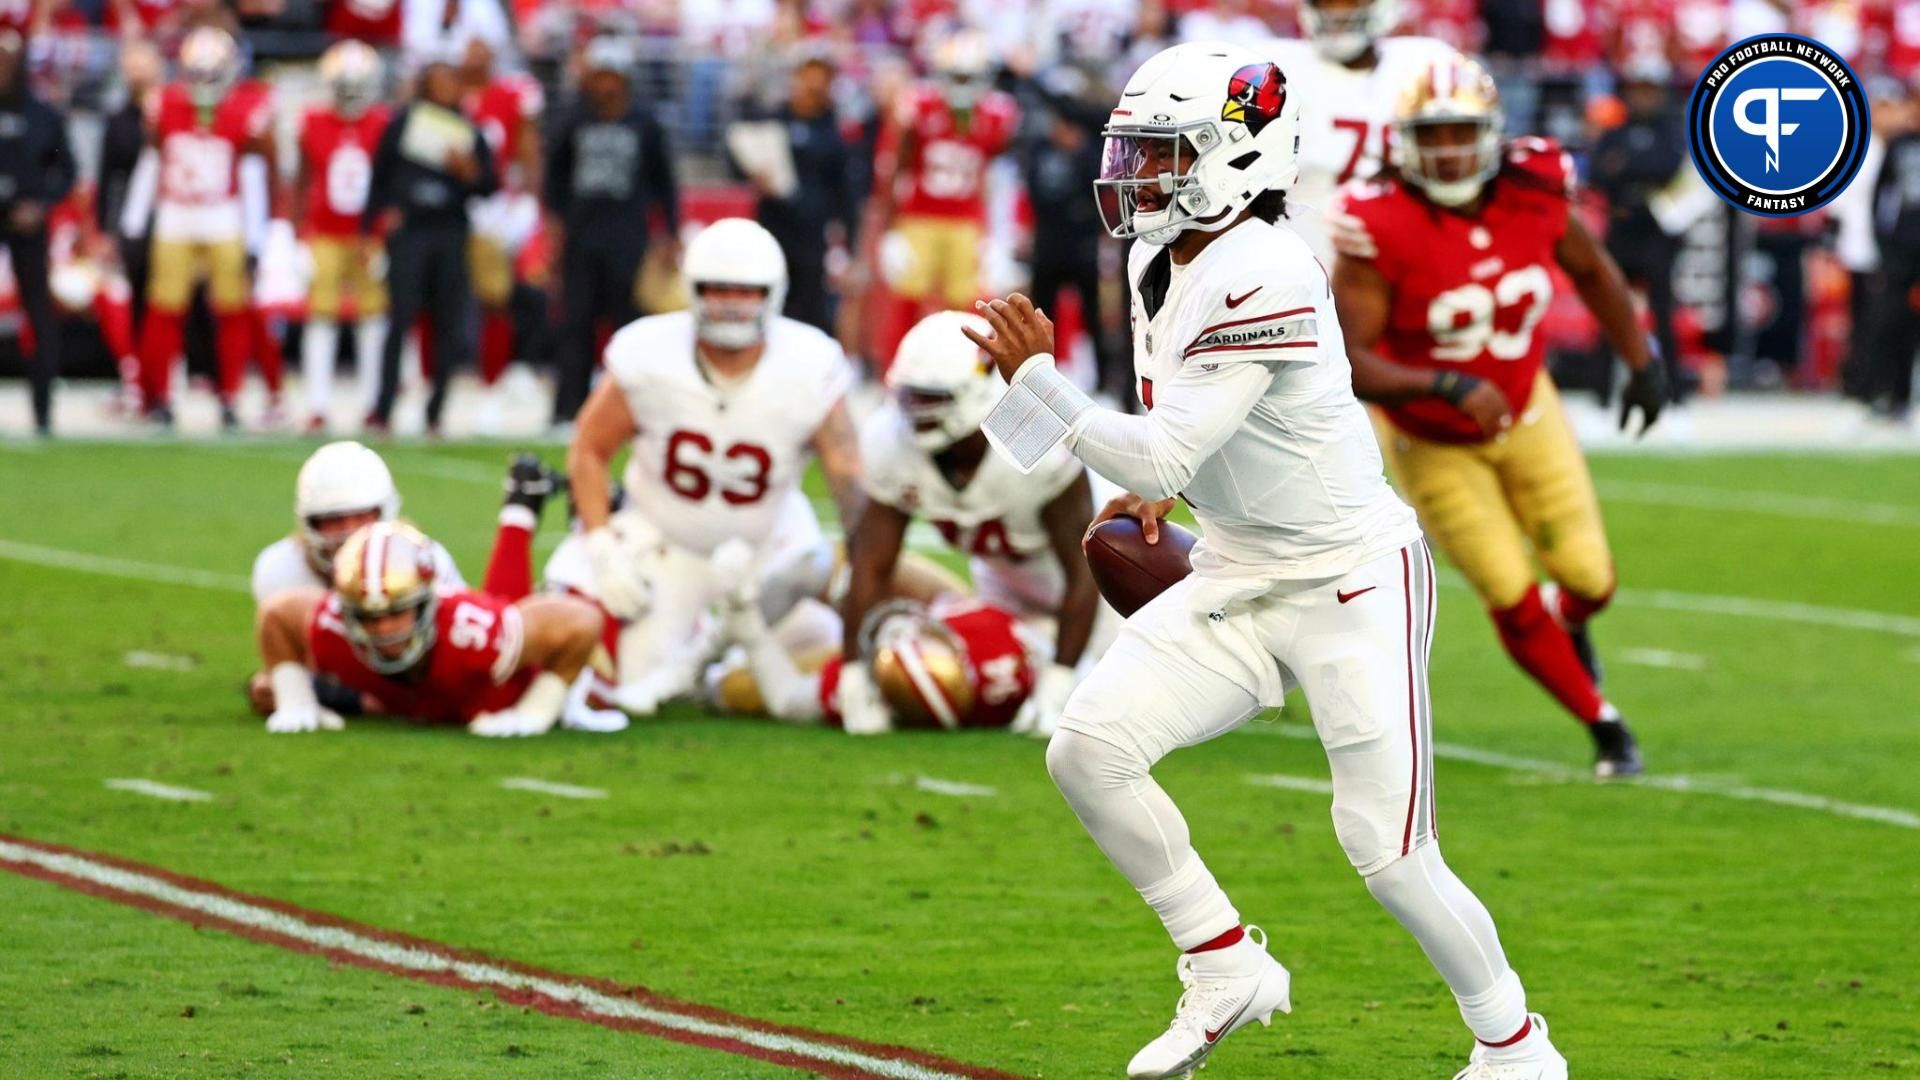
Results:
1452 192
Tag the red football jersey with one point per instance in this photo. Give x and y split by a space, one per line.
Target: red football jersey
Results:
1468 290
473 667
1890 37
947 171
1573 34
338 153
376 22
499 111
200 153
1701 28
997 663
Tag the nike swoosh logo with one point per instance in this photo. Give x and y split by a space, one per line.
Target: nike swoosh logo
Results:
1213 1035
1236 301
1346 596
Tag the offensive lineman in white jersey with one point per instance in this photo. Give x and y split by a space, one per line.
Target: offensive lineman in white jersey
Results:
1348 74
1310 573
925 455
723 406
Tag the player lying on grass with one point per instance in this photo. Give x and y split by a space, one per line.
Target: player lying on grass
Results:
386 629
947 663
924 455
341 487
1445 269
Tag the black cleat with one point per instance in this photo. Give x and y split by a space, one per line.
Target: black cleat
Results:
229 420
161 417
1616 753
529 483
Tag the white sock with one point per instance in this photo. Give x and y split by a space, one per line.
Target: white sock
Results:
1458 936
1141 830
318 346
369 338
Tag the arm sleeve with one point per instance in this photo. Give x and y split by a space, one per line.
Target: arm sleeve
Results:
488 181
1193 416
142 188
385 158
255 201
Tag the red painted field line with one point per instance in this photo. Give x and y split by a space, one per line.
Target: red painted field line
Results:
897 1055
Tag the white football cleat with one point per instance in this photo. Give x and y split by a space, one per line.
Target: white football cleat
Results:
1227 989
1532 1058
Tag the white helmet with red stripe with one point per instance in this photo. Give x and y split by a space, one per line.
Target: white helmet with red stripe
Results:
1447 128
945 385
1201 131
385 570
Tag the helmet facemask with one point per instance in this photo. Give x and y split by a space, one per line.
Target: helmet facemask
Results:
209 65
1449 156
1147 186
412 641
323 543
730 316
934 414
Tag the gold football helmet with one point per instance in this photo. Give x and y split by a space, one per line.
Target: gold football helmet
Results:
1447 130
920 669
210 64
385 571
352 73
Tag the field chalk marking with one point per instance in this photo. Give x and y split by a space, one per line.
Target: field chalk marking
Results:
1663 658
1690 785
595 1001
159 661
1292 783
155 789
547 787
1775 503
957 788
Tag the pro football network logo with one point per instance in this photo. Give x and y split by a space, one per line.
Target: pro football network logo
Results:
1778 125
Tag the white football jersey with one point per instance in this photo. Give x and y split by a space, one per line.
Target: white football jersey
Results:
283 565
1344 116
713 462
1298 491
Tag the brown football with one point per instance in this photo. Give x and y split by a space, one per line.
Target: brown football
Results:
1131 571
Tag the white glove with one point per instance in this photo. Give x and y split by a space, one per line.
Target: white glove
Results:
508 724
579 715
862 710
623 590
303 717
1040 714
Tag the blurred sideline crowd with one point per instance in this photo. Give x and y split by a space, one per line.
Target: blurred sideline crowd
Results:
589 139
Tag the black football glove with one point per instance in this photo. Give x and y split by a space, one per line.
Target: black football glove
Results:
1646 388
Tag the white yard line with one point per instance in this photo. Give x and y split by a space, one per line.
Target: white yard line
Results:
957 788
159 661
1662 658
547 787
60 558
1775 503
1729 788
157 790
423 959
1292 783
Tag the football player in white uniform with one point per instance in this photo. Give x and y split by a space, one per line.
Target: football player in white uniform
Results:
1310 572
925 456
723 406
1347 74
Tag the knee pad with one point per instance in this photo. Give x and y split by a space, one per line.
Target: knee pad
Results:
1081 763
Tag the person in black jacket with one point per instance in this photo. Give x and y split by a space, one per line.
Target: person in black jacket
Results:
36 172
821 199
1895 329
1630 165
609 169
430 161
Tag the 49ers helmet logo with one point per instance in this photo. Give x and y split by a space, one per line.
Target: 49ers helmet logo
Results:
1255 96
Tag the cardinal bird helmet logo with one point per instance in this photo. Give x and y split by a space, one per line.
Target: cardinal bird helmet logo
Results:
1255 96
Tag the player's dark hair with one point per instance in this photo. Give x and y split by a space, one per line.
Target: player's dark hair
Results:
1269 206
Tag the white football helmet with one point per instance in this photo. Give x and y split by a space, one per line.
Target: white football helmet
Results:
945 385
209 65
1343 35
737 252
352 72
340 478
1451 90
1201 130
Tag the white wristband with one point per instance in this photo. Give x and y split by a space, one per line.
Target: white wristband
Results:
1037 412
544 699
292 685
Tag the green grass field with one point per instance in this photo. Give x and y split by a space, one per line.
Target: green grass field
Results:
1756 920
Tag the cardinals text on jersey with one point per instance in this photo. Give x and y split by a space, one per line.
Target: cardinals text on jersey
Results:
713 461
1298 490
1468 291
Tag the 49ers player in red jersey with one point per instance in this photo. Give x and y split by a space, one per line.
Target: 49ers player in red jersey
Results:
930 176
388 631
210 145
1445 269
337 141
